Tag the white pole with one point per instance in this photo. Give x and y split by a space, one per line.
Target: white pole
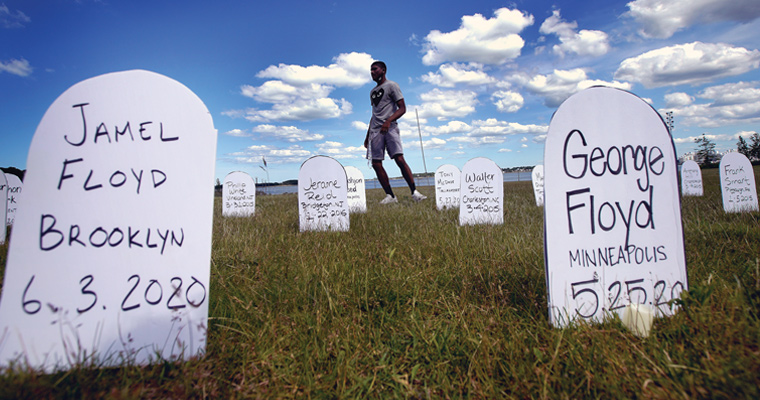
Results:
420 133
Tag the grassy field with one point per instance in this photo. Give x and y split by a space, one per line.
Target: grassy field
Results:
408 304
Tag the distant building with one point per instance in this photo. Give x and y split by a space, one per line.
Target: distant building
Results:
692 156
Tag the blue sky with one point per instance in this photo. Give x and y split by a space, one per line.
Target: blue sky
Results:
287 80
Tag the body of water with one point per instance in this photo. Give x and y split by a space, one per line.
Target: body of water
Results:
395 182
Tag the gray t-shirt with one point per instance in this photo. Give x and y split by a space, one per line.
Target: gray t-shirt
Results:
384 98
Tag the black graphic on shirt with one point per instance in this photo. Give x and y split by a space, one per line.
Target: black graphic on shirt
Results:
376 96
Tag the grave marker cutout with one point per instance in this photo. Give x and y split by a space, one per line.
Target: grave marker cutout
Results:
482 193
357 194
613 230
323 195
737 184
691 179
110 257
537 176
447 186
3 209
238 195
14 191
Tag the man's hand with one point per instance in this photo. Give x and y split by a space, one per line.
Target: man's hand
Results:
385 127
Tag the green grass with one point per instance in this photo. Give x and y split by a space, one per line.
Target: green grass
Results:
408 304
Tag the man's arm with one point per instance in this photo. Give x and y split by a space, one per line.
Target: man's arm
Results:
396 115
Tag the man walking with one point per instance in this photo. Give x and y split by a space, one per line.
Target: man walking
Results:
383 133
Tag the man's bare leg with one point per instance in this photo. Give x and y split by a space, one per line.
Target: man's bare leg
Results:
382 176
406 172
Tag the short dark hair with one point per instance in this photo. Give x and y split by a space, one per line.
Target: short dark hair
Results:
381 64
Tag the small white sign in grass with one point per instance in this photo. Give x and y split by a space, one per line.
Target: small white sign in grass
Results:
238 195
537 176
737 183
109 262
323 195
14 192
357 194
482 193
447 186
613 230
3 205
691 179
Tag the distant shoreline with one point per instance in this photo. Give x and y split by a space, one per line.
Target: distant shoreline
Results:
422 180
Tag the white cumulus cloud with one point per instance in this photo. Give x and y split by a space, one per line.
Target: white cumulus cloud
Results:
16 67
507 101
274 155
662 18
493 131
722 105
360 125
449 75
446 104
12 19
301 110
679 99
692 63
288 133
584 42
561 84
300 93
483 40
281 92
237 133
494 127
453 127
348 69
340 151
432 143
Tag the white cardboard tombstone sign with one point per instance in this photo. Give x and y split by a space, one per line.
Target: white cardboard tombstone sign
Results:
3 211
238 195
109 261
737 183
613 231
14 191
482 193
322 195
357 194
691 179
537 176
447 185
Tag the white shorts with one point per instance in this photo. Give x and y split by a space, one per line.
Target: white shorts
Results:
390 141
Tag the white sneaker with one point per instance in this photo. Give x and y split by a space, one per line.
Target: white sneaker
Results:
417 196
388 199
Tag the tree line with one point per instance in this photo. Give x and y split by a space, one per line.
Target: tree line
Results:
706 155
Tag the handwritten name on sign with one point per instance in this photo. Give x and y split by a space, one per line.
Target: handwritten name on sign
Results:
238 195
14 191
614 234
691 179
447 186
737 183
537 176
111 251
357 194
322 195
482 193
3 204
